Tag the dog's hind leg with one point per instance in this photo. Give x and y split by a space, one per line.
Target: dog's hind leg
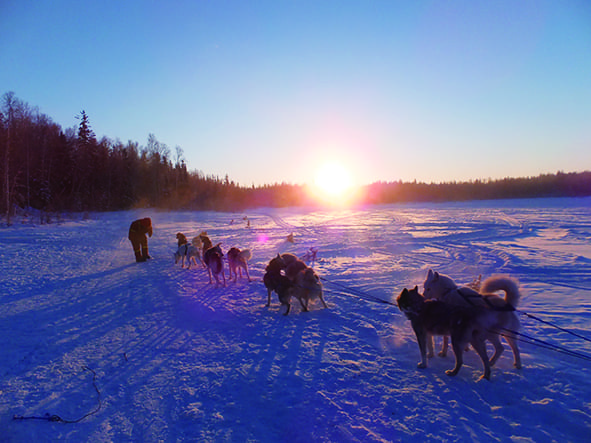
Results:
444 346
288 308
304 306
430 346
422 338
459 353
516 356
499 348
322 300
480 346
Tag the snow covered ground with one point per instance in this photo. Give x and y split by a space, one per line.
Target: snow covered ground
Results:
173 358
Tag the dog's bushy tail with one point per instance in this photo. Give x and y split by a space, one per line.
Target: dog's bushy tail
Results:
246 254
503 283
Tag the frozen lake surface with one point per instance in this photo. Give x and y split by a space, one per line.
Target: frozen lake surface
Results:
179 359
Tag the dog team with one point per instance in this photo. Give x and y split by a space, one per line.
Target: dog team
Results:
211 257
469 315
286 274
473 314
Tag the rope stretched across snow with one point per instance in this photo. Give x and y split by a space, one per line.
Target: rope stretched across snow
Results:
525 338
57 418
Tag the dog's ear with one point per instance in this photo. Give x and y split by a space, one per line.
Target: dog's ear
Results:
430 273
436 275
404 291
416 288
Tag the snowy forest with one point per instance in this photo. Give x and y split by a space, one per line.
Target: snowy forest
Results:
52 169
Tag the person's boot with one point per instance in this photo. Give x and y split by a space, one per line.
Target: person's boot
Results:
138 257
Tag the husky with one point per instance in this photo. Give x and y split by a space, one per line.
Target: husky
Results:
186 251
181 239
310 255
213 259
274 280
293 265
205 241
197 243
441 287
238 260
306 286
433 317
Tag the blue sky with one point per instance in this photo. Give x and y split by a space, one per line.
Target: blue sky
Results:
266 91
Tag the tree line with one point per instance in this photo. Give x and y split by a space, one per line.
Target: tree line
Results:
561 184
52 169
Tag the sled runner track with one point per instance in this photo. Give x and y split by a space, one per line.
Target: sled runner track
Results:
287 226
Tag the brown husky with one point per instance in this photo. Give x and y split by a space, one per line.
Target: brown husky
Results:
215 265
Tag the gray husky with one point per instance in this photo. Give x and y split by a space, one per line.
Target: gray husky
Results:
306 286
500 309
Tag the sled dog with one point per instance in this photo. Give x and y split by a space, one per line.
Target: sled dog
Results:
214 263
198 244
237 261
306 286
205 241
293 265
501 309
186 251
181 239
433 317
196 241
274 280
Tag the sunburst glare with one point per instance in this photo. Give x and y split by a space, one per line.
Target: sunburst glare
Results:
333 183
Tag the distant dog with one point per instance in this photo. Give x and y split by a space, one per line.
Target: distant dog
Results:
433 317
238 260
213 259
181 239
310 255
443 288
275 281
186 251
307 286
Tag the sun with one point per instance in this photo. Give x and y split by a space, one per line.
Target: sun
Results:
333 180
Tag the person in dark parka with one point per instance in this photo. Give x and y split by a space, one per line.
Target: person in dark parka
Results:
138 239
